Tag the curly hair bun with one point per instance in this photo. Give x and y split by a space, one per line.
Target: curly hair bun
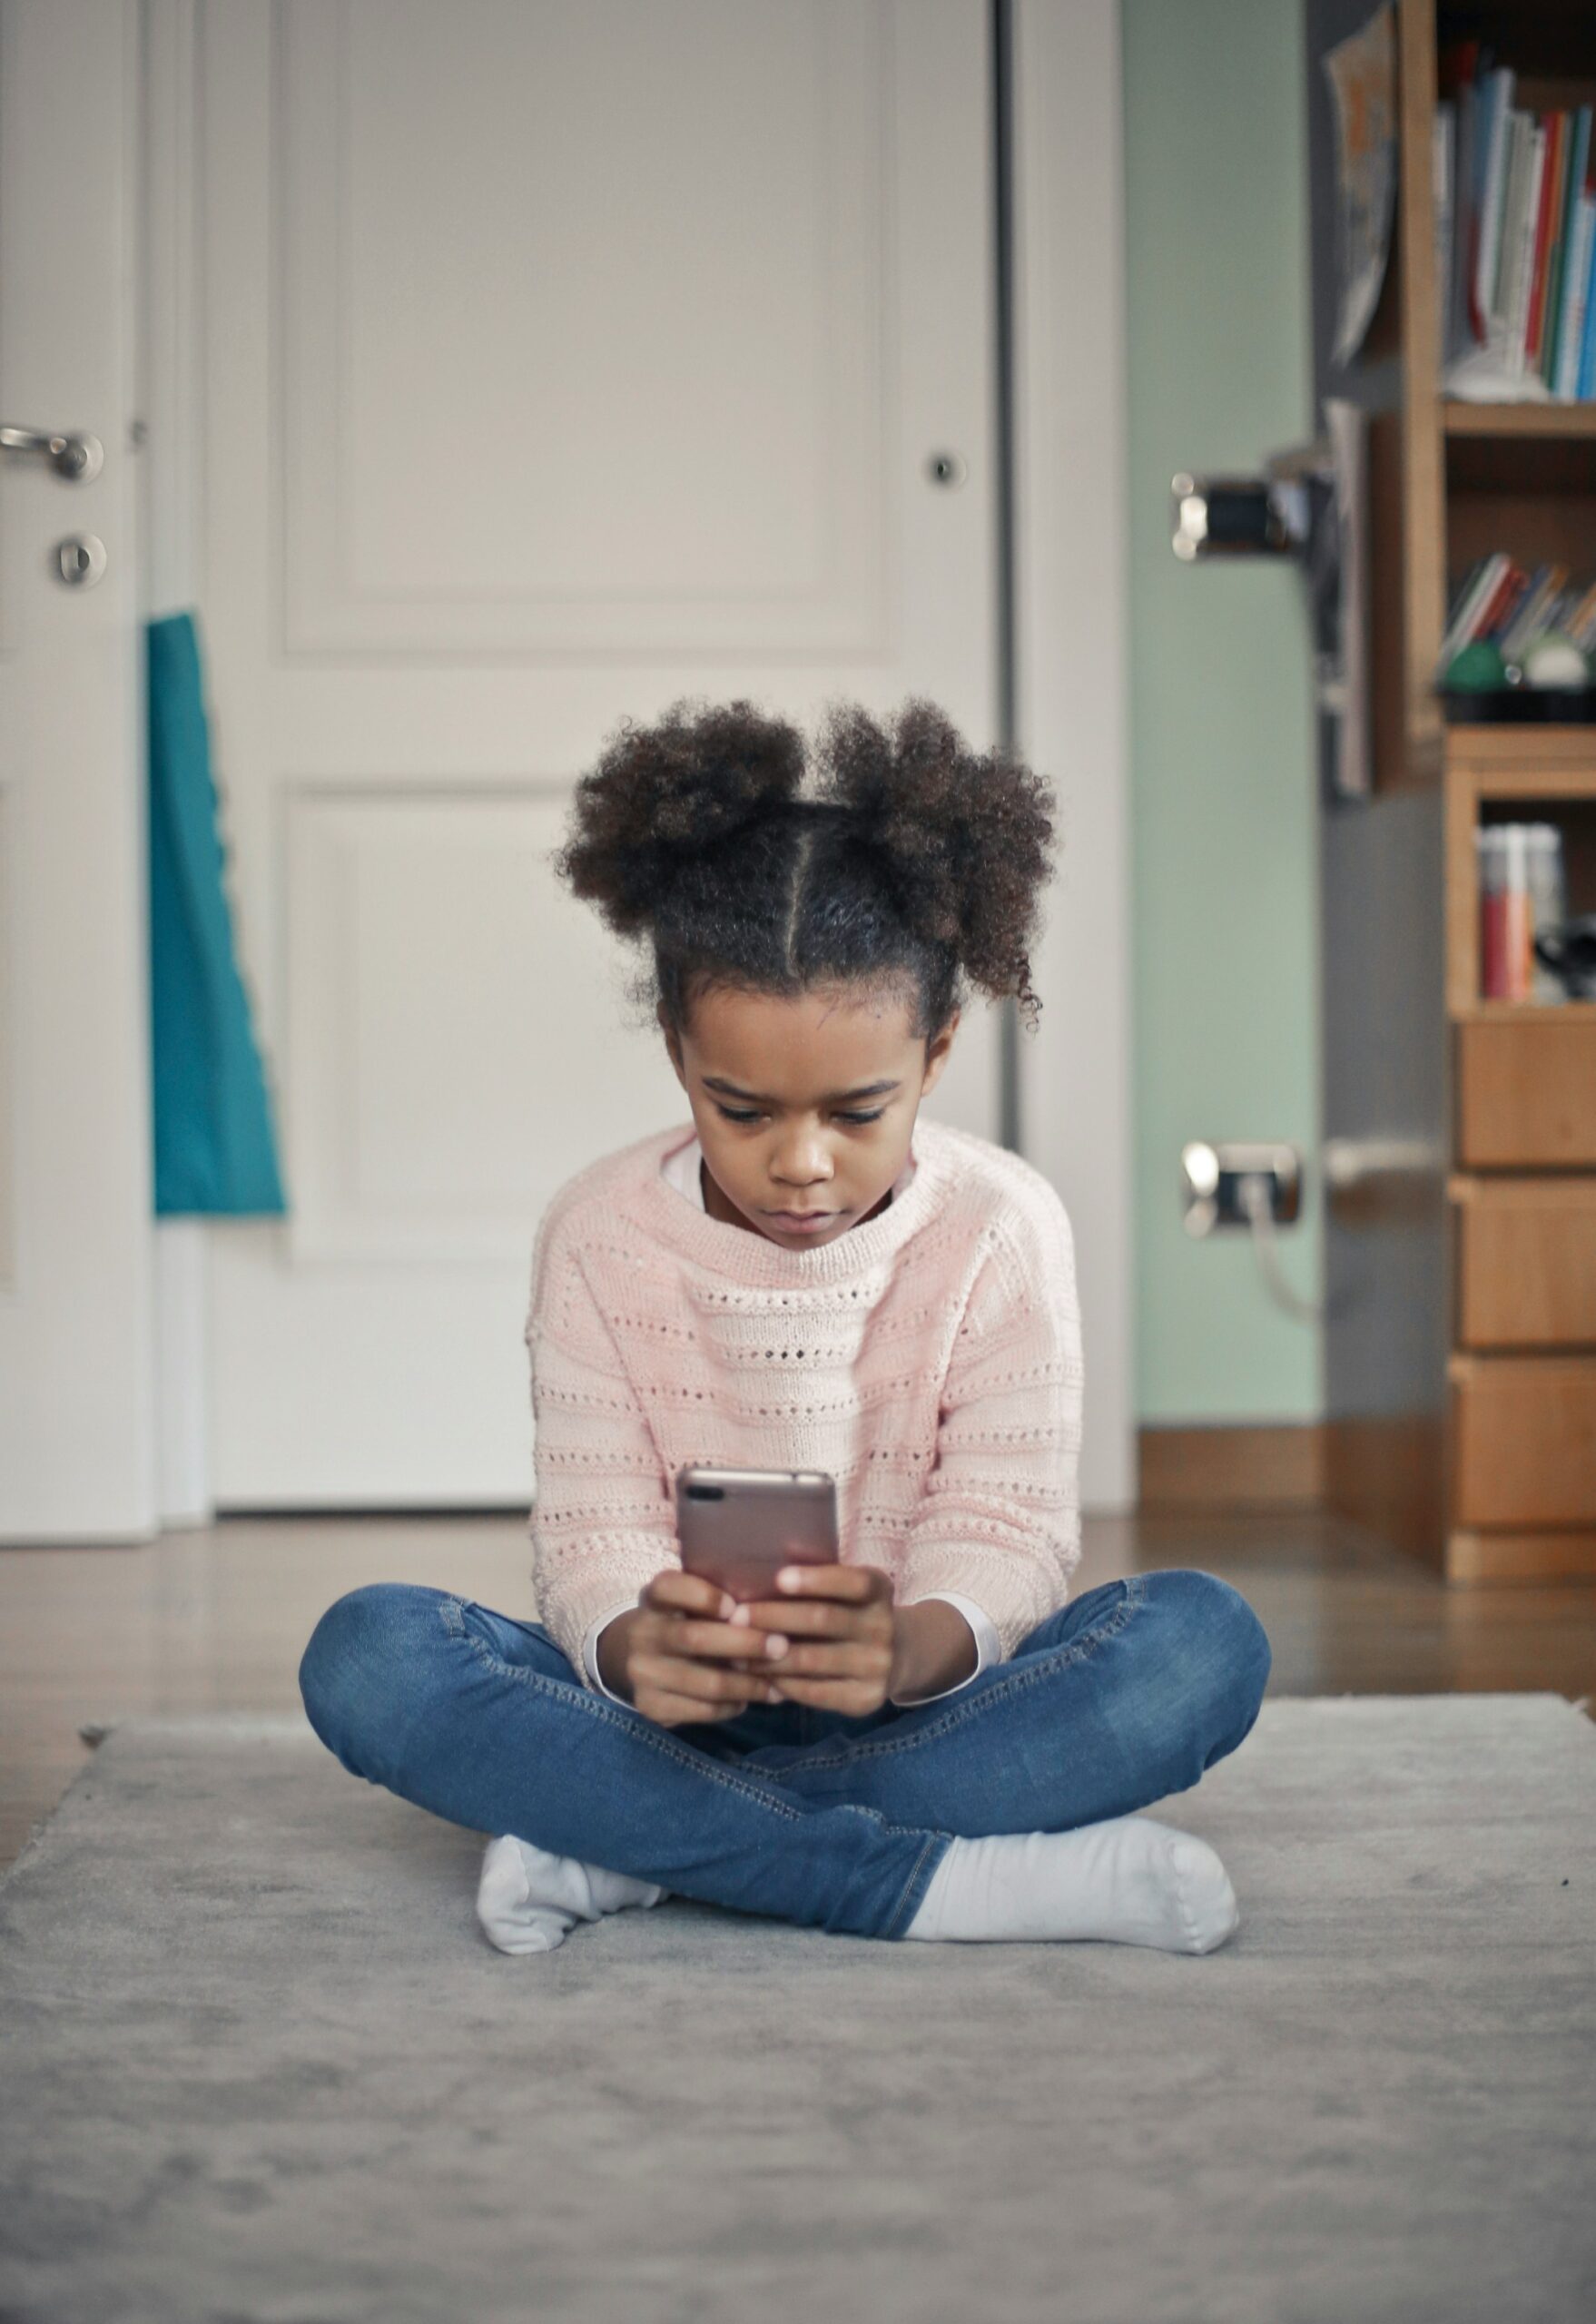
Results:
964 837
662 795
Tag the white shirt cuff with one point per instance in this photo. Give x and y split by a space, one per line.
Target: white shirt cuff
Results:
590 1647
989 1647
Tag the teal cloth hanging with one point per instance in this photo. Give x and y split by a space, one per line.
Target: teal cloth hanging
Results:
215 1146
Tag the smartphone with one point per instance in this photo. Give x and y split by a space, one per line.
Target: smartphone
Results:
738 1527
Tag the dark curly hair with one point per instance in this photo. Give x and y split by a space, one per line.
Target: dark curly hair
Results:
915 860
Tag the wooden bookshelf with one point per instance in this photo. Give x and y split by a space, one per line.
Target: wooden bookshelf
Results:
1537 772
1460 1340
1522 760
1514 1012
1532 422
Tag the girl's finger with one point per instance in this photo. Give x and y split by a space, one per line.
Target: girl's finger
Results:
688 1594
700 1682
845 1695
793 1618
719 1642
679 1711
836 1661
848 1585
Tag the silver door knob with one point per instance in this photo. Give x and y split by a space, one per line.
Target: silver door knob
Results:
80 560
75 457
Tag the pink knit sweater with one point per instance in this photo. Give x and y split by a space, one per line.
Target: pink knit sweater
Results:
929 1360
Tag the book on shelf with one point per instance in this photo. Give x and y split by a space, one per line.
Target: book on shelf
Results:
1582 257
1443 163
1516 287
1585 364
1553 157
1516 237
1573 163
1541 611
1470 603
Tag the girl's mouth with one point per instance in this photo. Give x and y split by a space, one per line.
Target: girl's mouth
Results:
802 1221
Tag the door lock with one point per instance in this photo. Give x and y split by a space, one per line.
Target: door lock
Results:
80 560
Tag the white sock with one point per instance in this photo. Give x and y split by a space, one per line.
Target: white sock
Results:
529 1901
1130 1881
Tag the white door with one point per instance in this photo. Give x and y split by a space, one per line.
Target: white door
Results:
561 360
77 1427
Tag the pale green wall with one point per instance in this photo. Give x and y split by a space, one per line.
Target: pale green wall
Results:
1224 914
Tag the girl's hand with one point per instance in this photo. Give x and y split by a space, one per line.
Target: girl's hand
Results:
847 1639
852 1648
677 1659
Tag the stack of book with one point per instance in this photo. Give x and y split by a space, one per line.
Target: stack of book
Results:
1504 604
1516 217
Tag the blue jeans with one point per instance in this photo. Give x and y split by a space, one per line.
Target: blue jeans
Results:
1126 1694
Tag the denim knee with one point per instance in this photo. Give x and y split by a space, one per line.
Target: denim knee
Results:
352 1660
1250 1654
1247 1657
1224 1652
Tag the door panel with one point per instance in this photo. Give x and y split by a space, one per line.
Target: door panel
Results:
645 414
426 940
562 360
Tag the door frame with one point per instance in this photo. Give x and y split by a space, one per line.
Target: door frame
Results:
74 985
171 580
1071 625
1069 647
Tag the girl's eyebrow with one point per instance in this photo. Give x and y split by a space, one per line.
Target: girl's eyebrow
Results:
833 1096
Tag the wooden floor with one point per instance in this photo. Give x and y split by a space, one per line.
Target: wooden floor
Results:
216 1619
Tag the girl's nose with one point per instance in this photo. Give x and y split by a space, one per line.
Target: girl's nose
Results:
803 1163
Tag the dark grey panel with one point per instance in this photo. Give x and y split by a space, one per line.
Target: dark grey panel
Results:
1384 1036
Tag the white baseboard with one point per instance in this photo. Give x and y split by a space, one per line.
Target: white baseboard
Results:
183 1475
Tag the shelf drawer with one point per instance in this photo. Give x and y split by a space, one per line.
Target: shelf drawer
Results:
1524 1439
1526 1261
1526 1092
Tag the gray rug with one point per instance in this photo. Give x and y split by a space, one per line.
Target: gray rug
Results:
259 2065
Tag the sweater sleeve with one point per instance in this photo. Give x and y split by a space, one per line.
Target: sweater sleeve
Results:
603 1521
999 1518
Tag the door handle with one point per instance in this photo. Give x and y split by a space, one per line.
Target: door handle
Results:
75 457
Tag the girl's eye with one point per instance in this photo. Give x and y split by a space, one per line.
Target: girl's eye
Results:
735 1113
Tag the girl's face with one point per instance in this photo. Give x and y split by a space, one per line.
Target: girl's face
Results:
804 1108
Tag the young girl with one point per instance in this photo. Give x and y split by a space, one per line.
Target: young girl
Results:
927 1739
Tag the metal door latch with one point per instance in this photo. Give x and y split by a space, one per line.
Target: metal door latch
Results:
77 459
